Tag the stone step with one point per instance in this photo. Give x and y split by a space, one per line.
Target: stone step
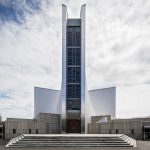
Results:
71 141
68 143
67 138
21 146
76 144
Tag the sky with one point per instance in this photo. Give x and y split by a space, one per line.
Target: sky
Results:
117 51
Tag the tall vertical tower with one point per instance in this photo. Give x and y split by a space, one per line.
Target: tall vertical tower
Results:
73 98
73 72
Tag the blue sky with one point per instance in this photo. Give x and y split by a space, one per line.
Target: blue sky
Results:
16 10
117 51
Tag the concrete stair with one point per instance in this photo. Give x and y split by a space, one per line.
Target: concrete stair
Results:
71 140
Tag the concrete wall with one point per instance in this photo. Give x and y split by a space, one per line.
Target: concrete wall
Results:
45 124
103 101
96 119
46 101
52 121
124 126
100 102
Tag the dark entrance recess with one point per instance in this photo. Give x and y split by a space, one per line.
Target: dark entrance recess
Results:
1 130
146 133
73 126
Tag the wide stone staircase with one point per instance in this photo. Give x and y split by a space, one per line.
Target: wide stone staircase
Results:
71 140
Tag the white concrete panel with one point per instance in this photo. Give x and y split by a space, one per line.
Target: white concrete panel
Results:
63 84
103 101
83 76
46 101
88 111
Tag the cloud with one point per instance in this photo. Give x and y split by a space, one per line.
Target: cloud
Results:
28 53
117 51
120 42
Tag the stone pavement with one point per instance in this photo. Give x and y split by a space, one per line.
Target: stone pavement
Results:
141 145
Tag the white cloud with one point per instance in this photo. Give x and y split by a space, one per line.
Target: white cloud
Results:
118 52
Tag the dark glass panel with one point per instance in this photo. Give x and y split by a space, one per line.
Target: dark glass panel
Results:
73 85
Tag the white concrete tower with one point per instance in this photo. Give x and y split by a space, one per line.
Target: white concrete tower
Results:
74 102
73 72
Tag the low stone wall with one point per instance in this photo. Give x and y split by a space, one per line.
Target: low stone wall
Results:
130 127
43 124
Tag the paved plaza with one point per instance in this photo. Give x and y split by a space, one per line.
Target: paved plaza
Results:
141 145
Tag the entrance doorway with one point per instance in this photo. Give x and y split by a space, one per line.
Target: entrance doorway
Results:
1 132
73 126
146 133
